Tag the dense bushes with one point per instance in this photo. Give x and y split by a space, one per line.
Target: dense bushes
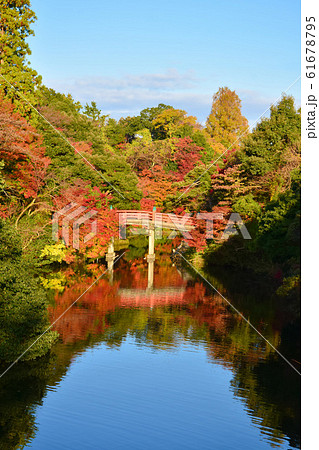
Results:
23 305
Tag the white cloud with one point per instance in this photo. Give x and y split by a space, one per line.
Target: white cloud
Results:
170 80
130 94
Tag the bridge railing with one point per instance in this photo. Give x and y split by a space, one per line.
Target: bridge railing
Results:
158 220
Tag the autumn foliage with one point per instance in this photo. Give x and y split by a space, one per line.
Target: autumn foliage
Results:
23 154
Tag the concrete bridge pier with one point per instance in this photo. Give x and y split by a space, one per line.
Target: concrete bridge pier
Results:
151 242
151 256
150 275
111 276
110 256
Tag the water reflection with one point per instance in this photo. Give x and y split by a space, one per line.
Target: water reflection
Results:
160 310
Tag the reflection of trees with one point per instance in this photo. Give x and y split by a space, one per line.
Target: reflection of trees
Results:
272 396
87 316
22 388
201 317
267 385
160 327
263 382
269 388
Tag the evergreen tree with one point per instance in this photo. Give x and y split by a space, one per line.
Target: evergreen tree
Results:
264 148
16 74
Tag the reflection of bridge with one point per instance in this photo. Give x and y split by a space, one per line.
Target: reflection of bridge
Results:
153 222
151 297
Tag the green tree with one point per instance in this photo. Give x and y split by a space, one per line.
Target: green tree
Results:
264 148
226 124
23 305
147 116
115 132
16 74
120 176
279 227
126 128
172 122
95 114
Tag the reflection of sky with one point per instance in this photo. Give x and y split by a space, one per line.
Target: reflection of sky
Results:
140 398
130 55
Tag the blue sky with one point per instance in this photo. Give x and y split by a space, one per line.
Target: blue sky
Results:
127 55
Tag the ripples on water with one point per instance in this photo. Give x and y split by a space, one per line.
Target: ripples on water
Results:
167 367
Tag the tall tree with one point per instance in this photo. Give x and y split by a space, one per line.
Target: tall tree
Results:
264 149
226 124
17 75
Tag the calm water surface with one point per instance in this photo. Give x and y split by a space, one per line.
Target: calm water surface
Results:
163 367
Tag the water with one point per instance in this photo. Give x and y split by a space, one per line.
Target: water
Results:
167 367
